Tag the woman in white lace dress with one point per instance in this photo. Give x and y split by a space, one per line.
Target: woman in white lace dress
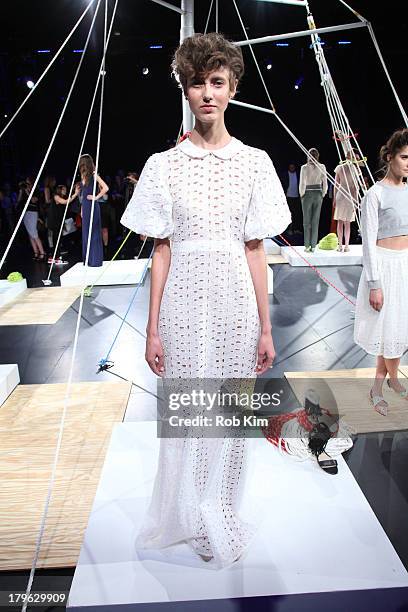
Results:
208 202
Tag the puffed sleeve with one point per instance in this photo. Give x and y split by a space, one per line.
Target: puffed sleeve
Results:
369 232
268 212
150 209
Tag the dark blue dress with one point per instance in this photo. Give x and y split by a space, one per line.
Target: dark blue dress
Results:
96 247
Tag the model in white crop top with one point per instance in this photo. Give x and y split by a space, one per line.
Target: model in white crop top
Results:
381 321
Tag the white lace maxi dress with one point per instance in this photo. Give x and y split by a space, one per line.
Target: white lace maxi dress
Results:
209 203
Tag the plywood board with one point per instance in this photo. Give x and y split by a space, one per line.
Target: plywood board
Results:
349 390
40 306
29 425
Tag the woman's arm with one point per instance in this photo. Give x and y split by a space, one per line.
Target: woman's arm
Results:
336 186
302 181
160 268
102 185
64 201
256 258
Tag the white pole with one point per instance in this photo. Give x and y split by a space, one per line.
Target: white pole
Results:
264 39
187 29
168 5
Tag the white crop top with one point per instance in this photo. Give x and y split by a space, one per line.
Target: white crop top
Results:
384 213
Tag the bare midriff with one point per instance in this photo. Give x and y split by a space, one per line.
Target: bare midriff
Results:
398 243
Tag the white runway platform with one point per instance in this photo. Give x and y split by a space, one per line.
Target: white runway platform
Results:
316 533
9 291
9 379
294 255
120 272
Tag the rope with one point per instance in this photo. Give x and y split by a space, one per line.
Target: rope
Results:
47 69
208 17
48 150
394 91
69 382
326 280
47 281
105 360
96 282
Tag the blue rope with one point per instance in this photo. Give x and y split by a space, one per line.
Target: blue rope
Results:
104 361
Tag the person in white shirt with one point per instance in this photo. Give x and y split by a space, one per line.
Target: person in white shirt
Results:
312 189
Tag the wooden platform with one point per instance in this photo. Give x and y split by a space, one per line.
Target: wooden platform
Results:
41 306
29 423
275 259
349 389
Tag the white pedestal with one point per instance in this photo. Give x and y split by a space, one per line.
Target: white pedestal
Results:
119 272
271 248
295 256
9 291
316 533
9 379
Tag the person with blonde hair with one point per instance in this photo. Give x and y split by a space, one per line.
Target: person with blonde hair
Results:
381 321
208 202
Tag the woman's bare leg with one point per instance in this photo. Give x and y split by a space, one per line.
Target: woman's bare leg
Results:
340 232
376 389
392 366
346 233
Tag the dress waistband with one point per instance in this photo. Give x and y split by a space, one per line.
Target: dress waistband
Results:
186 246
392 253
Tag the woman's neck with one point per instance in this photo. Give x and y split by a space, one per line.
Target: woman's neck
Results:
210 136
393 179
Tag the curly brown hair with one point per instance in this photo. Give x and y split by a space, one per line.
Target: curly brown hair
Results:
201 54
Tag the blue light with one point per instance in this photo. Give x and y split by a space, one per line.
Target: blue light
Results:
78 51
282 44
155 46
344 42
44 51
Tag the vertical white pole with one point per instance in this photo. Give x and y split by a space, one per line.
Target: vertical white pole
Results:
187 29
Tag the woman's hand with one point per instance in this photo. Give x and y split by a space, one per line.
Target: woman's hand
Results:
155 354
266 353
90 198
376 299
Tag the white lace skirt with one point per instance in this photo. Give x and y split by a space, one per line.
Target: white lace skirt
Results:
386 332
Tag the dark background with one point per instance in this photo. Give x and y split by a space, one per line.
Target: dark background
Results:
142 114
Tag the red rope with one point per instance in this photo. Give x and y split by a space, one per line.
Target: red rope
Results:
326 280
335 137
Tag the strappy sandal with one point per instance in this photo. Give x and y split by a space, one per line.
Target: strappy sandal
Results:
403 394
346 249
376 400
318 438
340 248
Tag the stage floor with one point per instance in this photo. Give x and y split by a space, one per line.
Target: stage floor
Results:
316 533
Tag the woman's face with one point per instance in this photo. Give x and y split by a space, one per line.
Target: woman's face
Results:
209 96
63 191
399 163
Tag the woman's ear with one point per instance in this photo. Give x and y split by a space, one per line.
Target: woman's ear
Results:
233 90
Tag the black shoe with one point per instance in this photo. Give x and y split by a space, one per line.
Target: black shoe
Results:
318 438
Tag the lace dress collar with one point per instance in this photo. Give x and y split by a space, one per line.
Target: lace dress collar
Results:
226 152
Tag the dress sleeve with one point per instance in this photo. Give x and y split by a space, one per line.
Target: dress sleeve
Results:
268 212
150 209
369 231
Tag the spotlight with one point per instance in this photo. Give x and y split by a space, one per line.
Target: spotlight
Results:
30 84
296 86
344 42
282 44
155 46
5 116
145 71
269 66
